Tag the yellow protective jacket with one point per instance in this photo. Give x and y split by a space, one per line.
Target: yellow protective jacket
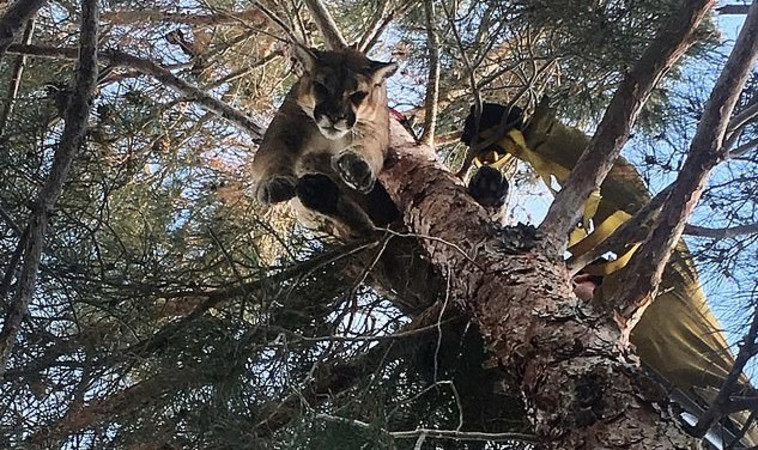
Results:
678 336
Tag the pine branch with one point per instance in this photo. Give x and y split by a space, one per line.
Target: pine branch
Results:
706 150
331 380
76 116
119 58
14 18
672 41
155 15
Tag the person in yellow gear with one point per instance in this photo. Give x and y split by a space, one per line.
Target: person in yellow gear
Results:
678 338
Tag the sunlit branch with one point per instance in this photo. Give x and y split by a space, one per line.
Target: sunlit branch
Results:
706 150
332 35
672 41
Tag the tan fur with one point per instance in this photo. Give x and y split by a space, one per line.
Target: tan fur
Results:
295 144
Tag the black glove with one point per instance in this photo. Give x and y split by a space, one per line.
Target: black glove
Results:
492 113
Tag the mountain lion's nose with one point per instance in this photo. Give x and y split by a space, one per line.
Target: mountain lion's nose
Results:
336 117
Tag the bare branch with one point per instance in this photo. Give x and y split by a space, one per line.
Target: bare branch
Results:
745 116
722 405
373 25
373 36
332 35
8 219
732 9
118 58
741 150
470 71
672 41
14 18
291 37
706 150
433 80
720 233
630 232
76 116
155 15
15 83
463 435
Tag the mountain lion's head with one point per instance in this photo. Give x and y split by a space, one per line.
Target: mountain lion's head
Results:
341 88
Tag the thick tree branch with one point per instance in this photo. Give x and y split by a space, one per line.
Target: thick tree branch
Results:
521 300
706 150
433 80
76 116
118 58
332 35
146 393
672 41
14 18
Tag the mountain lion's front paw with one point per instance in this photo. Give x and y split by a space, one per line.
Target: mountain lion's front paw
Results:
355 172
276 189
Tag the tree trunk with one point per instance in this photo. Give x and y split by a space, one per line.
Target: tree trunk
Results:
582 389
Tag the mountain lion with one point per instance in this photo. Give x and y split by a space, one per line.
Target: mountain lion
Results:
329 139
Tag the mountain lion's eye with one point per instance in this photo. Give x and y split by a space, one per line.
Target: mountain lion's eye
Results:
358 97
320 89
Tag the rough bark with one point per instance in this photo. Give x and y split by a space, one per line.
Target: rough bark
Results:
14 18
673 40
581 390
76 116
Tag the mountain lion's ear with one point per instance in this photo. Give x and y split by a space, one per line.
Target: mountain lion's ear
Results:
306 56
380 71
